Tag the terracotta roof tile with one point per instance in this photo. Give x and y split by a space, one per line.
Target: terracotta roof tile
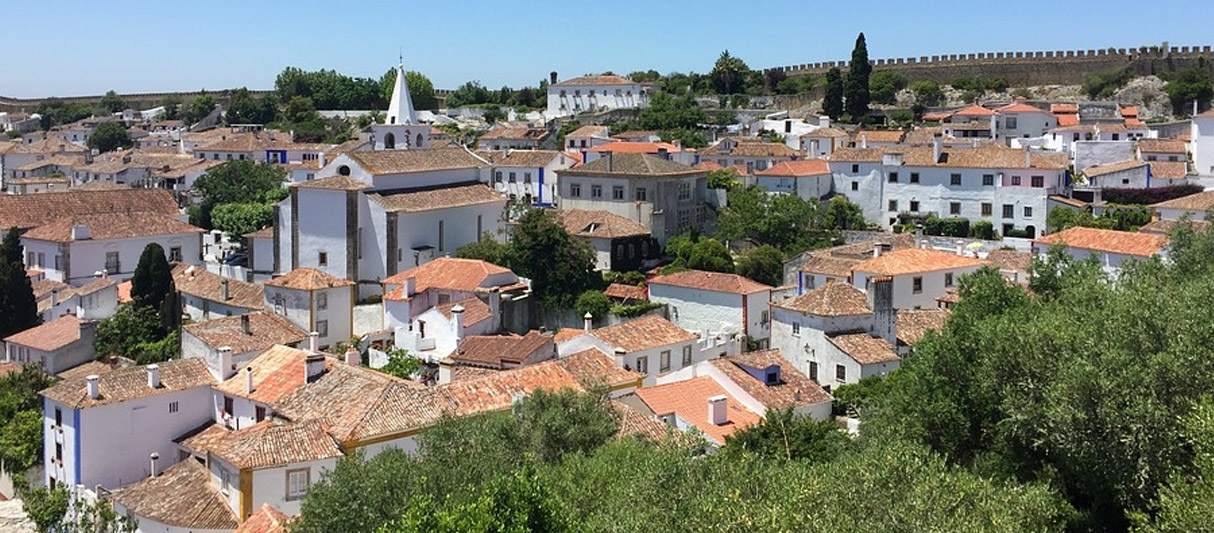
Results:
182 497
516 134
600 224
626 292
1162 146
590 131
50 336
913 324
277 372
336 183
451 273
522 158
1100 170
1165 227
1020 107
1073 202
405 161
799 168
343 398
745 147
826 132
111 226
597 80
592 368
124 384
832 299
793 390
879 136
502 351
565 334
267 329
1107 240
1010 260
28 211
438 198
635 148
308 279
984 156
474 310
829 266
710 281
269 444
266 519
632 164
1064 108
864 348
1169 169
689 400
915 260
1068 120
197 281
200 439
974 111
649 331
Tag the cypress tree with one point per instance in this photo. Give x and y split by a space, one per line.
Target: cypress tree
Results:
152 283
833 104
18 308
857 81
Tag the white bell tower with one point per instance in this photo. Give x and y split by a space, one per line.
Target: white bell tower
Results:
400 130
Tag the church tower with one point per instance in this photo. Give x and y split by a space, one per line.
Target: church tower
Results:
400 130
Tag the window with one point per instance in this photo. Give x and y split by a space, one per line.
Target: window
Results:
322 301
914 177
893 206
642 194
575 190
322 327
855 185
526 177
1028 211
322 258
643 364
1010 123
948 279
112 265
914 206
686 355
840 373
1116 137
1173 158
227 404
664 361
497 176
1015 180
954 208
59 452
988 180
796 329
596 191
173 407
917 284
441 235
513 178
297 483
893 177
617 193
855 169
1038 181
58 417
684 219
684 191
1008 211
813 370
954 179
986 209
260 413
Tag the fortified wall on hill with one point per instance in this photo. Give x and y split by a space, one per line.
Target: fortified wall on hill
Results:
1055 67
142 100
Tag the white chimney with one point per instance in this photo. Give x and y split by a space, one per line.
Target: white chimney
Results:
457 319
937 145
154 376
824 121
410 287
877 249
93 386
353 358
245 327
960 247
1028 158
587 322
225 362
224 291
314 367
717 414
81 232
155 456
54 297
314 342
248 380
863 140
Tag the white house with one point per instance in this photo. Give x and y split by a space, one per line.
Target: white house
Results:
442 329
650 345
58 345
1162 150
1110 248
528 177
314 300
620 244
1005 186
587 137
95 300
513 138
1193 206
206 295
224 342
585 94
754 154
1128 174
837 334
74 249
805 178
100 429
919 275
714 302
820 143
1020 120
1202 143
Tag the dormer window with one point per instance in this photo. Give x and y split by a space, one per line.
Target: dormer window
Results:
772 377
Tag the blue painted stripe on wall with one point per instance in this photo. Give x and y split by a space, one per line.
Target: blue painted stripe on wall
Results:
76 451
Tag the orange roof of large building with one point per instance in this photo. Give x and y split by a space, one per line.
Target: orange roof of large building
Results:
181 496
915 260
308 279
974 111
621 147
689 400
832 299
1064 108
269 444
50 336
650 331
1107 240
601 224
879 136
1067 120
197 281
983 156
710 281
110 226
265 330
592 368
449 273
475 310
277 372
798 168
1021 107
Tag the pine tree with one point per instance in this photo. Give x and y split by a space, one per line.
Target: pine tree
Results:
833 104
857 81
152 284
18 308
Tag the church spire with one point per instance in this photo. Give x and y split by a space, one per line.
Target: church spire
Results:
400 109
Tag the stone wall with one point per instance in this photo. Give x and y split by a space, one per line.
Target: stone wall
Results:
145 100
1061 67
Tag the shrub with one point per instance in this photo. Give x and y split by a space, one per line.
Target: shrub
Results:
946 227
1149 196
594 302
983 229
634 309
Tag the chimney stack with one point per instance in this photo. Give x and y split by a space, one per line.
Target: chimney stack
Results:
608 156
155 456
353 358
248 380
552 78
81 232
244 324
863 140
314 342
717 414
1028 158
457 318
587 322
881 301
960 248
224 291
225 362
410 287
93 386
314 367
54 298
937 147
154 376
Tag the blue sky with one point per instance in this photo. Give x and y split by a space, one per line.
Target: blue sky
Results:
74 47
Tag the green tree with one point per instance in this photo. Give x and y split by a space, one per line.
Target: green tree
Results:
18 308
136 333
560 266
112 102
486 249
243 108
782 220
785 435
233 182
852 398
594 302
884 86
46 507
729 74
1104 84
519 502
723 179
764 264
832 104
983 229
401 365
710 255
1186 503
110 136
856 92
21 417
666 112
199 108
152 287
927 92
841 214
421 89
240 218
1187 86
300 110
470 93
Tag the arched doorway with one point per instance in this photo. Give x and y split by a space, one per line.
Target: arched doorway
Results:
389 141
1031 231
419 140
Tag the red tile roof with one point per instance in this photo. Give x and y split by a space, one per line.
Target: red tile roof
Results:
1021 107
974 111
802 167
601 224
593 368
689 400
915 260
308 279
182 496
448 273
277 372
197 281
913 324
710 281
626 292
1169 169
622 147
266 329
832 299
50 336
794 389
266 519
111 226
27 211
864 348
650 331
597 80
1068 120
474 310
1197 203
1162 146
1064 108
502 351
1107 240
269 444
119 385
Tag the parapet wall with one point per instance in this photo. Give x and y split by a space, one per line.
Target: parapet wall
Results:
1064 67
141 100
